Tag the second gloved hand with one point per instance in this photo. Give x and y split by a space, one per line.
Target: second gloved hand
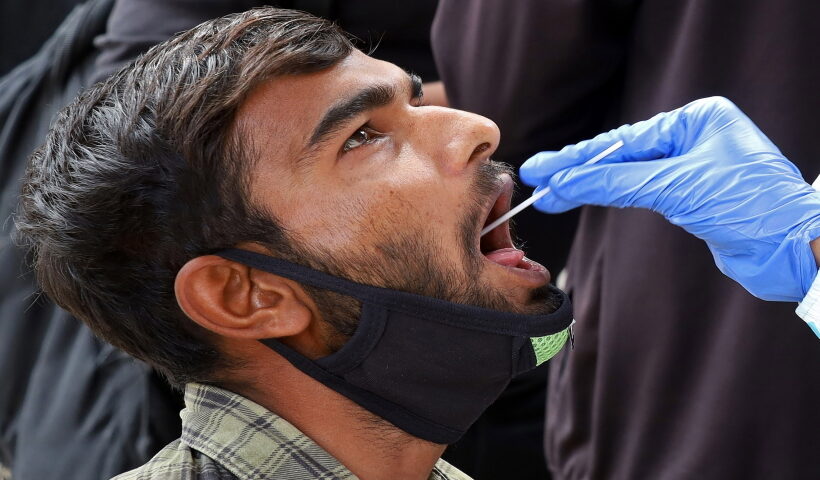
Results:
707 168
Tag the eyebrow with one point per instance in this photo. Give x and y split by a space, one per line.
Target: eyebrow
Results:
369 98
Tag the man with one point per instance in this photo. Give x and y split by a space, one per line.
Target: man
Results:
271 218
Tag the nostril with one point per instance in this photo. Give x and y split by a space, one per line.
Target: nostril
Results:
480 149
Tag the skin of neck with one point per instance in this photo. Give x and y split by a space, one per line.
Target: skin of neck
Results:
370 447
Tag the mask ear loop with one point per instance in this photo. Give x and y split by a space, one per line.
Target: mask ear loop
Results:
454 314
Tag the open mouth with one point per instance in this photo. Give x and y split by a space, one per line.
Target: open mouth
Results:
497 245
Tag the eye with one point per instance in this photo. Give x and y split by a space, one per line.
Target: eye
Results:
363 136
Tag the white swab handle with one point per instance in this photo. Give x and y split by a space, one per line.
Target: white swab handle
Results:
526 203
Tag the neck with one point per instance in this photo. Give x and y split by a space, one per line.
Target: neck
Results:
368 446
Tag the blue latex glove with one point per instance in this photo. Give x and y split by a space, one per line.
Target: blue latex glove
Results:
707 168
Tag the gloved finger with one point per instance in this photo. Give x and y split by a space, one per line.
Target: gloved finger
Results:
665 135
647 140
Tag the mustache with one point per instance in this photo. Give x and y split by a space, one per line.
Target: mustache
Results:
485 186
485 183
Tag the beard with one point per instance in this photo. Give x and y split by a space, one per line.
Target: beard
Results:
409 261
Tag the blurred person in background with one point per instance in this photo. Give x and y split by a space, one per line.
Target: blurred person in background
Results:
678 372
24 26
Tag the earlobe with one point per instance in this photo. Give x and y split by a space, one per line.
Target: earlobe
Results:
235 301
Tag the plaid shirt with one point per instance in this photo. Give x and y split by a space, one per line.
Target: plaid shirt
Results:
226 436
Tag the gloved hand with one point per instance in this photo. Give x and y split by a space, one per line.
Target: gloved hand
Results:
707 168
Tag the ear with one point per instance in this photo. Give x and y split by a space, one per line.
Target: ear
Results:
236 301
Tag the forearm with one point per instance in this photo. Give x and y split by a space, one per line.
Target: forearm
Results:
815 248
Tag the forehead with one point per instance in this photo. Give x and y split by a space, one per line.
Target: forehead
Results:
280 114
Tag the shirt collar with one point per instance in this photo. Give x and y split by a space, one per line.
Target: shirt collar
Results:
248 439
253 442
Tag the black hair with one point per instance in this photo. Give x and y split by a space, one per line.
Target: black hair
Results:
147 170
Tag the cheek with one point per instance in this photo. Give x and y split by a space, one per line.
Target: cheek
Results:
377 199
432 211
328 223
355 223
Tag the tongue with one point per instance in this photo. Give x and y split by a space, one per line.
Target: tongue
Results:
509 257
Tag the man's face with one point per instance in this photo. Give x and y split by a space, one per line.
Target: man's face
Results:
384 191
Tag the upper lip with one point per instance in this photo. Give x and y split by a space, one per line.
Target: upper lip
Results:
500 236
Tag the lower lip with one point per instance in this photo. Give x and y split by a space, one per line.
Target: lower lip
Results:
529 272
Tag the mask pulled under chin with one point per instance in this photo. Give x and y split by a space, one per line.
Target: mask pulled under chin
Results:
428 366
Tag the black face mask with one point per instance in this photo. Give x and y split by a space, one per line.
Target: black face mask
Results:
428 366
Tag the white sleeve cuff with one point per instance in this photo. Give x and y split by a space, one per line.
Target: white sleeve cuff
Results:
809 308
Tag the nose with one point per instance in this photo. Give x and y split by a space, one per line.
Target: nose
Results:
457 138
